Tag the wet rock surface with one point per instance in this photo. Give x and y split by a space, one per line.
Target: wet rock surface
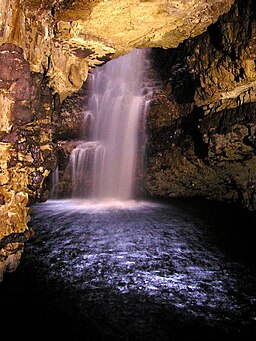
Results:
201 125
210 156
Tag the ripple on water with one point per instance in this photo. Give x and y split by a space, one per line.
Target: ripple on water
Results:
158 251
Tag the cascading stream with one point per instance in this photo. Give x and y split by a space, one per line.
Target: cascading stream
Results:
119 95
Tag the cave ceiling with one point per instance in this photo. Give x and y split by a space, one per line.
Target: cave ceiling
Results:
65 39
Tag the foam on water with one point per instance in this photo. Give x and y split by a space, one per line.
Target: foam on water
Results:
90 205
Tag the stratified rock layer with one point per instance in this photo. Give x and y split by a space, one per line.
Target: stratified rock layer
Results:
202 125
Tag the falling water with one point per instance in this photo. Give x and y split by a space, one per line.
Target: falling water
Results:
54 183
119 96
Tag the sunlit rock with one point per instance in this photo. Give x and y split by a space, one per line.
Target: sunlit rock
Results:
57 34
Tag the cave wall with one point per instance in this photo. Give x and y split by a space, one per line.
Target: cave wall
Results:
64 39
201 125
47 49
26 151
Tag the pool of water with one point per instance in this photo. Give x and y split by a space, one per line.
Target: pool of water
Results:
135 270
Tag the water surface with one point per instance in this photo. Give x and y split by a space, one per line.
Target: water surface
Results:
137 271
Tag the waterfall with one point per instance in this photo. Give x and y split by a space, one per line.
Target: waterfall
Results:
119 95
54 183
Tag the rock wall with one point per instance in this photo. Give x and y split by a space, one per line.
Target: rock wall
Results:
201 127
64 39
26 152
47 49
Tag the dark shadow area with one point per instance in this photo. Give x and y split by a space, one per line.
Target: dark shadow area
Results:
33 305
231 227
171 67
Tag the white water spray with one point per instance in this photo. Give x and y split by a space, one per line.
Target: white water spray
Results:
119 96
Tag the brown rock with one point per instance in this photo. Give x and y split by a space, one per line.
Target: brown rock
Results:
21 114
13 65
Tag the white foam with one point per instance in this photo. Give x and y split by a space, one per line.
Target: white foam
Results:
84 205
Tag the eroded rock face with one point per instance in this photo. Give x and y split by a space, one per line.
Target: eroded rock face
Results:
210 156
202 124
26 152
222 61
67 38
99 31
47 49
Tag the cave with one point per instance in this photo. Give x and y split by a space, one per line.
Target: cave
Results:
127 173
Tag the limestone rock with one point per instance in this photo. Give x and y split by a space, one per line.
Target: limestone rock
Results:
26 150
47 49
191 152
65 39
222 60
